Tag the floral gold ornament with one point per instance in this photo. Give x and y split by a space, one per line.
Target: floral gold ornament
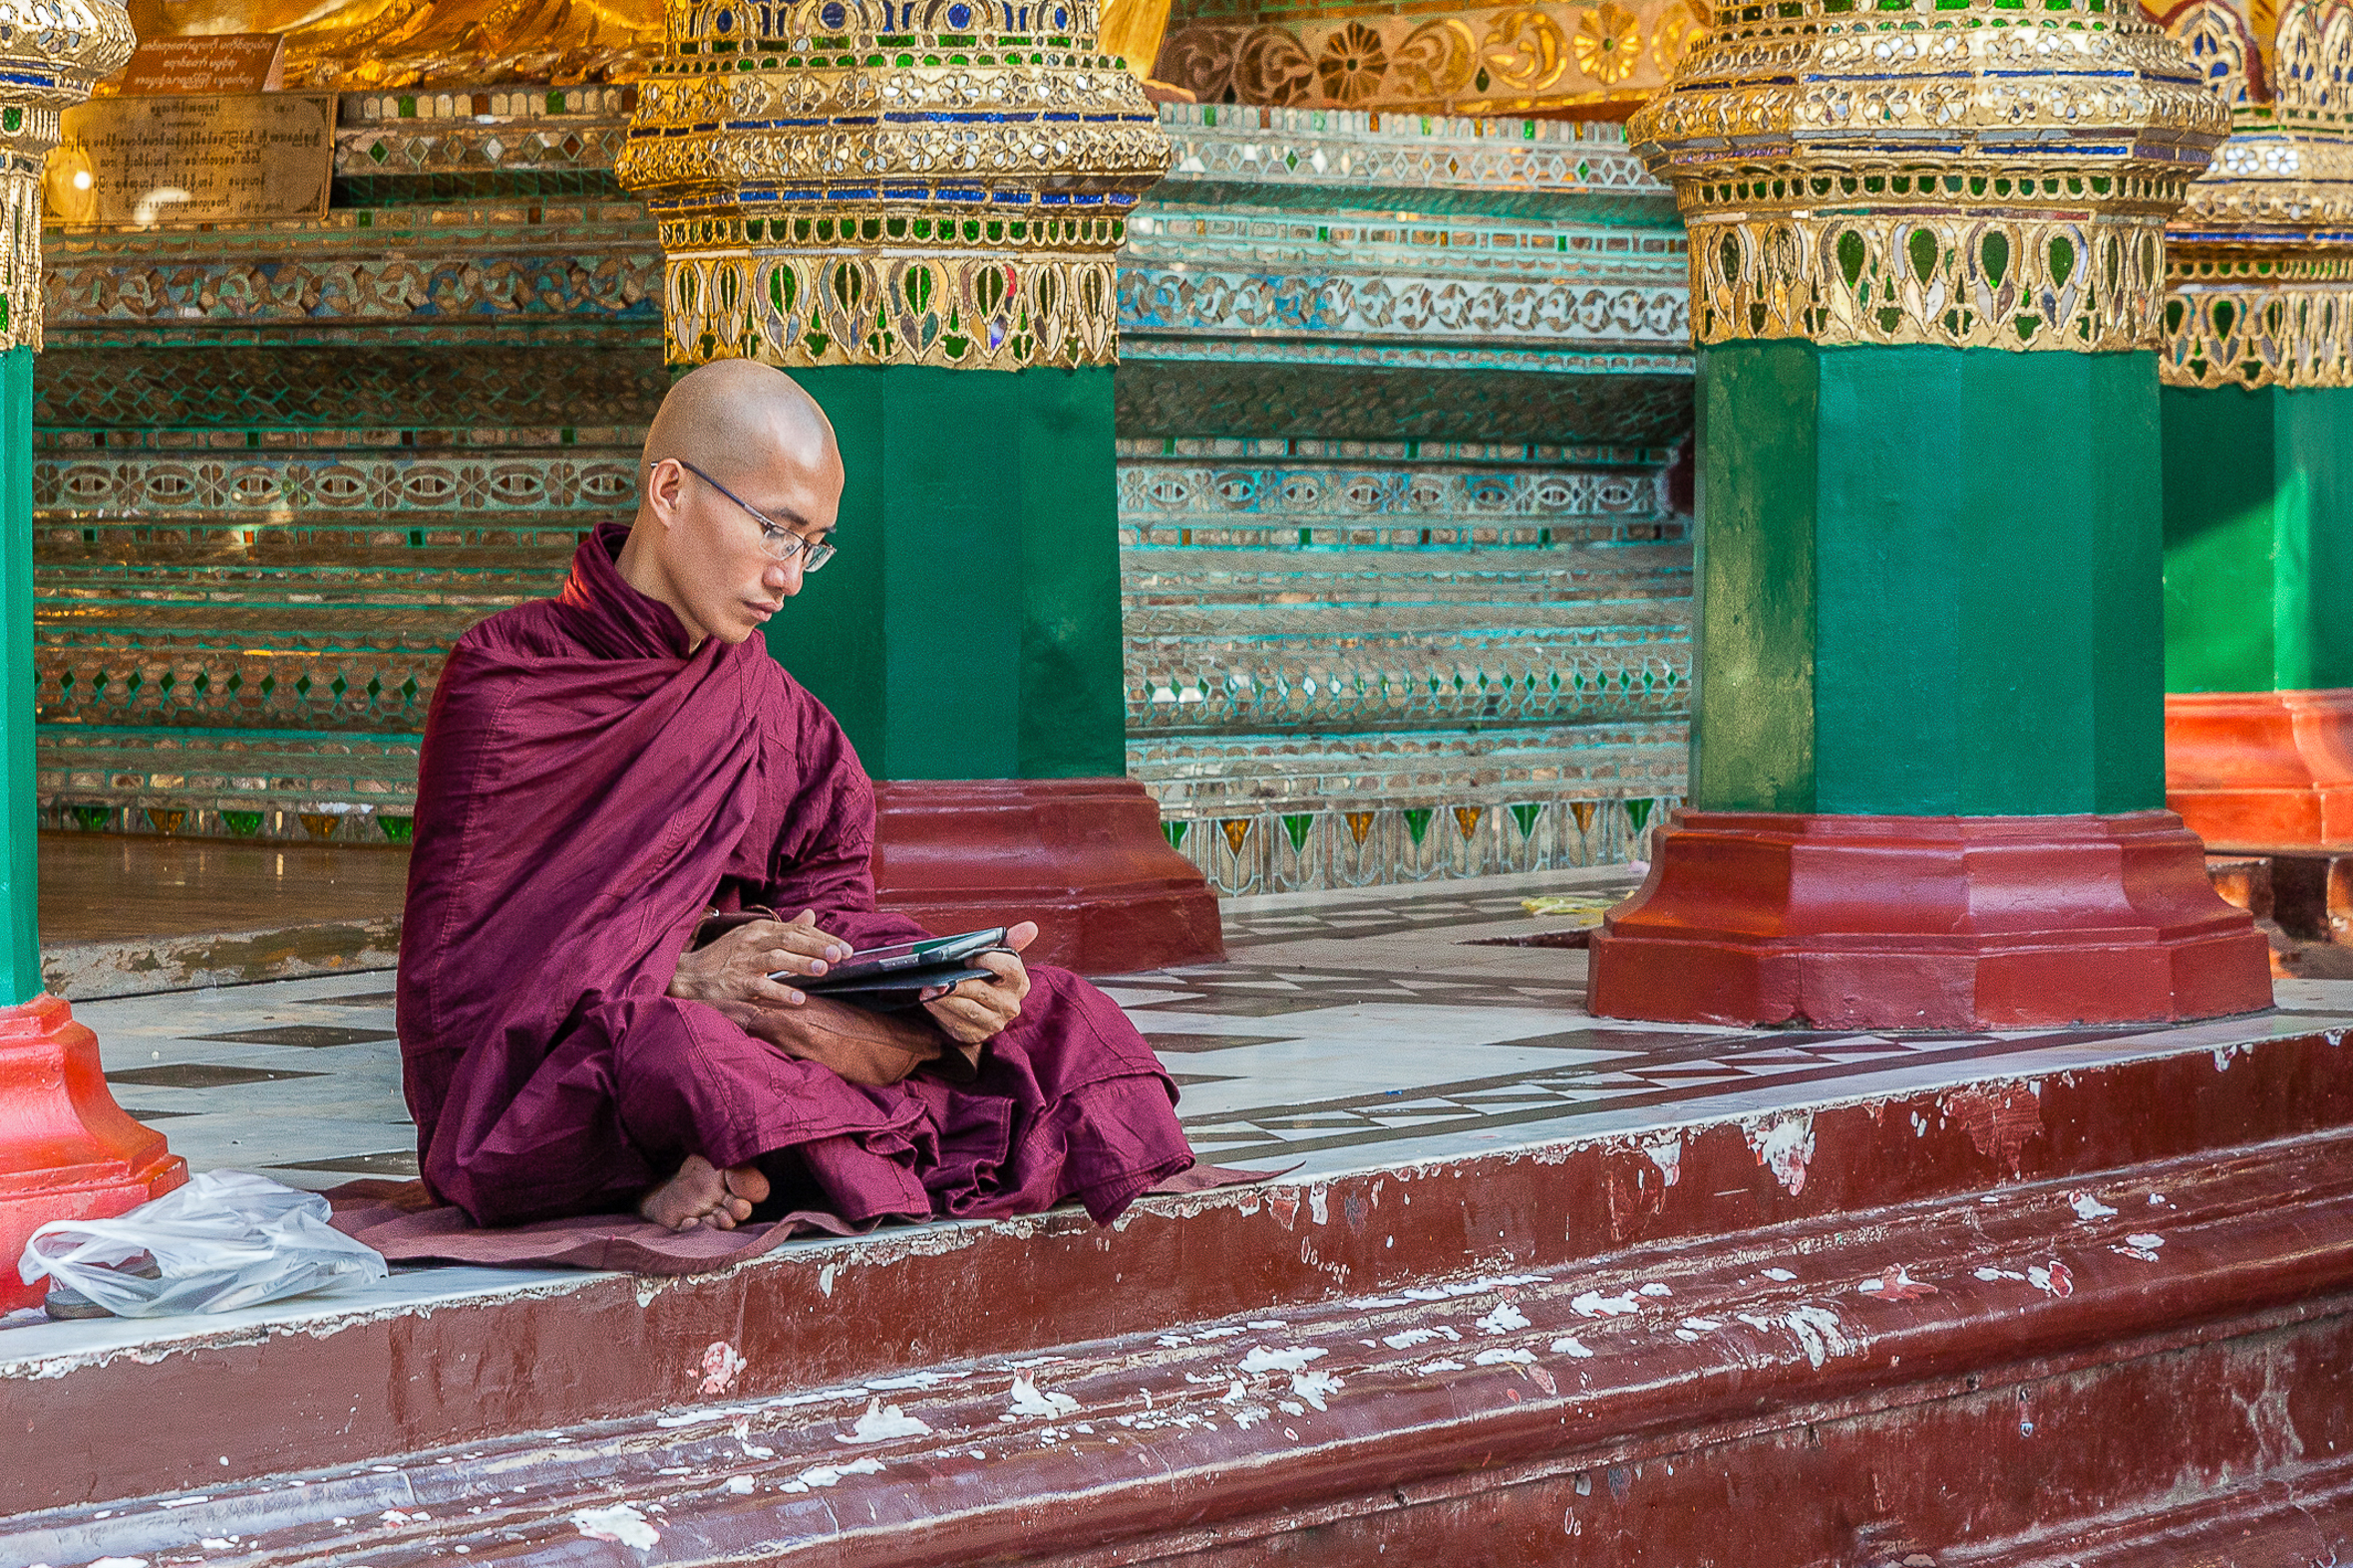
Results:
1500 60
861 183
1352 64
1957 172
2260 273
1608 43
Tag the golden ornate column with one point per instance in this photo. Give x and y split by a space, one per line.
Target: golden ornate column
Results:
2258 426
914 208
866 182
66 1148
1922 171
1927 277
52 53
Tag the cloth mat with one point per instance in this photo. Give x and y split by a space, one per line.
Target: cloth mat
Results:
400 1220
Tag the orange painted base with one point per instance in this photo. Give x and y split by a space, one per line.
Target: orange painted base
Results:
1927 922
2261 770
1083 857
67 1150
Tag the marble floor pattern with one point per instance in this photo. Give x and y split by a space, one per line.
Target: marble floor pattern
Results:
1345 1030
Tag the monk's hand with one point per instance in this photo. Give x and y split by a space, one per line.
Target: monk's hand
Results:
736 968
977 1009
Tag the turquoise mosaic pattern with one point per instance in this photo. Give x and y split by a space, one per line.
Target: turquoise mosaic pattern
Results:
314 400
514 141
1293 851
1403 597
1332 645
1303 274
1351 161
240 640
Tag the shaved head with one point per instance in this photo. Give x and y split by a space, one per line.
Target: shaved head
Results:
739 488
732 416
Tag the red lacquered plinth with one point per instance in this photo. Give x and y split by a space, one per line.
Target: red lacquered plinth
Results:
1083 857
1927 922
2261 770
67 1150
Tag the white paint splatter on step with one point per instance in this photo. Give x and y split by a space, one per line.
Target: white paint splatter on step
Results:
621 1524
882 1422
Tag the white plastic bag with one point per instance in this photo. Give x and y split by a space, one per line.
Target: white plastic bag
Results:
227 1239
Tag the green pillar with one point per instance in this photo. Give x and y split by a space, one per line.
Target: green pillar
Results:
2258 509
970 627
20 967
1927 780
1883 617
940 276
2258 447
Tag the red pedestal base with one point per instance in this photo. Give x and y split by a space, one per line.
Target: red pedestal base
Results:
67 1150
2261 770
1927 922
1083 857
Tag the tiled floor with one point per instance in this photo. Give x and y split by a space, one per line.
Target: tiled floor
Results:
300 1078
1345 1030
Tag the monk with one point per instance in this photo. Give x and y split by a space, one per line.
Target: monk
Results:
629 817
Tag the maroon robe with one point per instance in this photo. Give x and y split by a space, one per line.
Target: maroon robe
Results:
588 787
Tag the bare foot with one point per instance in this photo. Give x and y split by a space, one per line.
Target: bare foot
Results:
702 1194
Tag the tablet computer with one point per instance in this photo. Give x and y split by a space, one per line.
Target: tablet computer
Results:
897 975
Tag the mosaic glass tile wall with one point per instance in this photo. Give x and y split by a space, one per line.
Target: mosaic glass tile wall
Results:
1350 665
1404 597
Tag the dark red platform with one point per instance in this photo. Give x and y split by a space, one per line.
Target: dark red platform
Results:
2261 770
1931 922
67 1150
1083 857
2096 1316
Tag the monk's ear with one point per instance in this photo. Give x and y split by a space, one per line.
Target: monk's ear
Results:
665 488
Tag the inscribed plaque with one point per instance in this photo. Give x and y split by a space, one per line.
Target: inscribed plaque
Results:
146 162
213 63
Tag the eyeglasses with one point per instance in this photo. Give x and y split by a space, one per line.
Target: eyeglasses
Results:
779 540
